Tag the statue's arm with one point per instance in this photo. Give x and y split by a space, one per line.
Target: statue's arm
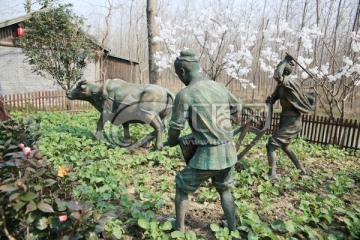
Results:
274 96
178 120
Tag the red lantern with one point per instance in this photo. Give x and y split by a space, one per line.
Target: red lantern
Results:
20 31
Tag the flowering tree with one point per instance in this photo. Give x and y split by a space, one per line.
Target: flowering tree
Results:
231 46
220 49
334 83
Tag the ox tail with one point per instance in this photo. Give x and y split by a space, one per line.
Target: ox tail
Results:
169 104
170 100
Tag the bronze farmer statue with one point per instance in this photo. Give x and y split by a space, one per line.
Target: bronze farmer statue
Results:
208 107
294 102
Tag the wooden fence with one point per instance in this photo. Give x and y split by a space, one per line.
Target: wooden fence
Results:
43 101
322 130
344 133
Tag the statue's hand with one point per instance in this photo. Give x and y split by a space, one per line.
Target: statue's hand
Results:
269 100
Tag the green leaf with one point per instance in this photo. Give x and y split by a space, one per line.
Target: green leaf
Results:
44 207
166 226
177 235
117 232
14 196
310 232
279 225
332 237
75 205
143 223
190 235
49 182
348 222
61 205
154 226
235 234
214 227
37 188
29 196
30 207
252 236
290 226
19 205
31 217
8 188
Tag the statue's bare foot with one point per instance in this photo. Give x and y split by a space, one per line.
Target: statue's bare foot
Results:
173 223
99 135
159 146
273 177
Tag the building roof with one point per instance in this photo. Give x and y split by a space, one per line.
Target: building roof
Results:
20 19
121 57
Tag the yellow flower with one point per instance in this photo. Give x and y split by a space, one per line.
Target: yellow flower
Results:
62 171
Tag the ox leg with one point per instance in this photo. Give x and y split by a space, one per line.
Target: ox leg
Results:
163 124
126 138
99 129
157 125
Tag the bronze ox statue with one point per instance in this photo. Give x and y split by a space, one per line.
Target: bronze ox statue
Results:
122 103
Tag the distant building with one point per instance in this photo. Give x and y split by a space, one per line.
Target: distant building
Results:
16 75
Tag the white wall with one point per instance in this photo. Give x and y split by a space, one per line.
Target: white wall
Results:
17 77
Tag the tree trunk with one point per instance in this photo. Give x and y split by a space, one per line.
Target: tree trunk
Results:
4 115
302 26
151 13
318 4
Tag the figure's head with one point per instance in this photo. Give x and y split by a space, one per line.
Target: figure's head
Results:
287 69
184 64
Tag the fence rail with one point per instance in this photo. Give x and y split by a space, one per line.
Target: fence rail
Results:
43 101
322 130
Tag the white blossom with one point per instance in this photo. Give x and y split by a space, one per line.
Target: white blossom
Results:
304 75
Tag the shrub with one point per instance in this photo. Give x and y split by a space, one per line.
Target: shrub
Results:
37 200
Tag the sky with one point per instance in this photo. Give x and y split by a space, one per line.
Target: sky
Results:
14 8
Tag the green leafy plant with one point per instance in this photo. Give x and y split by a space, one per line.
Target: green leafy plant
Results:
254 226
224 233
115 228
154 230
109 181
341 185
352 221
190 235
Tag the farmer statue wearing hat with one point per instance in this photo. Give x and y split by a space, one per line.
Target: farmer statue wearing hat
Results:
294 101
208 107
